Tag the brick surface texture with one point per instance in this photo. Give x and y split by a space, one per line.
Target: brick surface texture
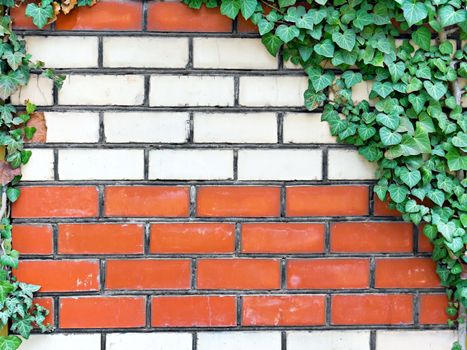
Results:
185 200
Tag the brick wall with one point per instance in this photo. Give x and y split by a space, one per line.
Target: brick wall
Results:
184 199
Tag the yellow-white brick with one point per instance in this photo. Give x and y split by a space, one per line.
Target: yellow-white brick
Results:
149 341
235 127
349 165
231 53
63 341
306 128
175 90
191 164
273 91
239 340
287 164
120 90
108 164
329 340
146 127
40 166
39 91
145 52
64 51
420 340
72 127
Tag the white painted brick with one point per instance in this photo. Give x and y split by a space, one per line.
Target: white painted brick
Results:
64 51
38 91
145 52
235 127
231 53
62 341
191 164
79 127
239 341
40 166
109 164
329 340
420 340
273 91
289 65
361 92
146 127
149 341
173 90
279 165
123 90
306 128
346 164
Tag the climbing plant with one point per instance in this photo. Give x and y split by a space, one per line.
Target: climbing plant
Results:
412 124
18 312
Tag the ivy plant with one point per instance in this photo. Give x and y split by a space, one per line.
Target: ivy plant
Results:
412 124
18 312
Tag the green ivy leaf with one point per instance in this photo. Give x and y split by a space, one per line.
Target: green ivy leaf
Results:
396 70
422 37
449 16
414 12
389 137
456 161
456 245
351 78
11 342
264 26
306 21
287 3
383 89
12 194
8 86
345 40
366 132
398 193
272 42
320 80
10 260
391 121
417 102
287 33
436 90
41 15
437 197
410 178
324 48
248 7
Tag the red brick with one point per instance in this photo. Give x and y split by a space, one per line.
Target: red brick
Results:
406 273
104 15
244 26
238 274
47 303
195 238
433 309
60 275
33 239
148 274
328 273
282 238
290 310
382 209
100 239
147 201
327 200
424 244
376 309
243 201
173 16
194 311
102 312
56 201
374 237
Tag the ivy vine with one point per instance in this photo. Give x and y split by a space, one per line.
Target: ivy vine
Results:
18 312
412 124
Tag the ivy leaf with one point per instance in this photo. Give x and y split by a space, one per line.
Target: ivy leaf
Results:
10 259
456 161
318 16
449 16
371 152
436 90
11 342
23 327
456 245
345 40
383 89
41 15
366 132
306 21
324 48
14 59
351 78
8 85
12 194
264 26
286 3
272 43
396 70
287 33
410 178
422 38
389 137
248 7
437 196
398 193
391 121
417 102
319 80
414 12
313 99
